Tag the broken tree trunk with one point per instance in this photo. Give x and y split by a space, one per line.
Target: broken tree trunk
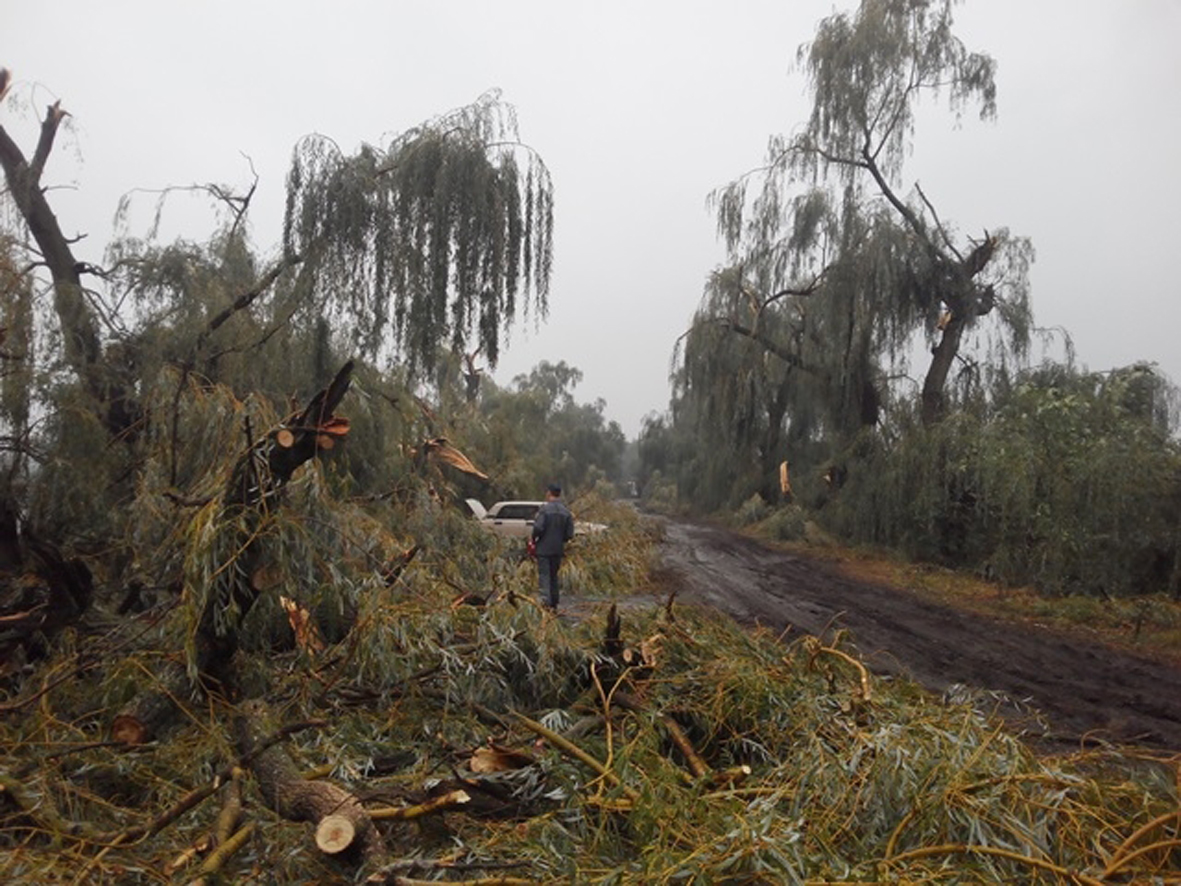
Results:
254 488
81 342
343 827
258 478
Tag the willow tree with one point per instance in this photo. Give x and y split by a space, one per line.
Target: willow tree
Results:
442 237
832 241
785 347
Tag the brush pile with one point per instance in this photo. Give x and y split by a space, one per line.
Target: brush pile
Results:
396 708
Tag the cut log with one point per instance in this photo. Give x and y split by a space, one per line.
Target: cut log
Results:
143 716
335 833
342 824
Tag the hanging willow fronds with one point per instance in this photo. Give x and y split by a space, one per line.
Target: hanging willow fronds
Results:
430 240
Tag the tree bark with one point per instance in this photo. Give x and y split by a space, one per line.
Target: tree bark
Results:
343 825
83 348
967 299
943 355
258 478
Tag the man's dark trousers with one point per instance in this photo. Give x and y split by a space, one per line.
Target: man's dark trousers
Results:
547 574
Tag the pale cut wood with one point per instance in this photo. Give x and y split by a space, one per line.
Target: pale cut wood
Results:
335 833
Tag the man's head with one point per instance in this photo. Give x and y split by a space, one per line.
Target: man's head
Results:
553 491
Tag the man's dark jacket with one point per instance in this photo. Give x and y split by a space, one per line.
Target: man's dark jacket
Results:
552 528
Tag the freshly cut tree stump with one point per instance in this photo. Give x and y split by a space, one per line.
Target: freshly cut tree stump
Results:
342 824
335 834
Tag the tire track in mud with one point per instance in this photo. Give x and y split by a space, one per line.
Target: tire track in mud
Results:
1081 690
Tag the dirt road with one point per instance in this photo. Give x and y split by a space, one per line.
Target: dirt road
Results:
1082 690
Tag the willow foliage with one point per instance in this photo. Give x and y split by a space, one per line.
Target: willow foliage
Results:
833 271
441 237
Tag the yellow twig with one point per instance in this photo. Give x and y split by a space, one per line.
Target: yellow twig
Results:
573 750
1115 865
1138 833
437 804
219 856
815 648
962 848
906 819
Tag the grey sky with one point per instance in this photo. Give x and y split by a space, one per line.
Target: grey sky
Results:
639 109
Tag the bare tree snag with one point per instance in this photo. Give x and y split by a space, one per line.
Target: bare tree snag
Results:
342 824
80 335
612 634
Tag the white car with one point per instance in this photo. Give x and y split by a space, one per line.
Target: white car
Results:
514 519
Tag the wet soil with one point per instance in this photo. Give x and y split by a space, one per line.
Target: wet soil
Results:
1085 692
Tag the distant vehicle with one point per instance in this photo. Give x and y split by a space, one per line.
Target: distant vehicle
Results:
514 519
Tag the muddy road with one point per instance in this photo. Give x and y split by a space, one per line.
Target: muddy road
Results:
1081 690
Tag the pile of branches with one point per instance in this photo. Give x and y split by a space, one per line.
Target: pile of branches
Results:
499 744
356 691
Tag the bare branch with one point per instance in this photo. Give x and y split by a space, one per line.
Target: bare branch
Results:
803 292
938 224
247 298
905 211
53 118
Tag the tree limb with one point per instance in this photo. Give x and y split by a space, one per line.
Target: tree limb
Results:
247 298
53 118
939 224
804 291
905 211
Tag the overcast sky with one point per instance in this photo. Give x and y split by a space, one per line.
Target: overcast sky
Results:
639 109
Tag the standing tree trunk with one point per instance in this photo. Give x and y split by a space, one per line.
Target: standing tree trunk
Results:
943 356
965 299
83 348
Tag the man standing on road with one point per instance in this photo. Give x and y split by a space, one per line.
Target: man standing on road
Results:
552 528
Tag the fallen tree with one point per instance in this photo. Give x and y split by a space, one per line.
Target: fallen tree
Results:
251 494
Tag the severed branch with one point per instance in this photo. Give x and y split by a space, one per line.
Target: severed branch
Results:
195 797
697 765
342 823
440 803
572 750
219 856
